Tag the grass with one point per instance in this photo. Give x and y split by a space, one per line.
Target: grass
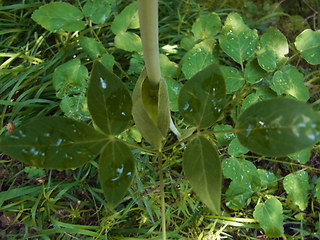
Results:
49 204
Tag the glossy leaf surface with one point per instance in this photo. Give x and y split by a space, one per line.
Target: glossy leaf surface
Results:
151 110
109 100
269 215
127 19
206 26
93 48
70 78
267 178
297 187
58 16
201 99
288 80
202 168
308 43
303 156
224 138
53 142
97 10
237 39
278 127
174 88
233 78
272 50
198 58
236 149
253 72
116 171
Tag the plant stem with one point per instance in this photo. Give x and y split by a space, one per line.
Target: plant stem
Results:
163 207
148 17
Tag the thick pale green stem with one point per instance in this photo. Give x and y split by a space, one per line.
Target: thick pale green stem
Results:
163 207
148 16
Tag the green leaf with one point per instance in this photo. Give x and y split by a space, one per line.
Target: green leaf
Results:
127 19
253 72
53 142
236 149
198 58
168 68
202 168
201 99
269 215
297 187
224 138
237 195
109 100
174 88
308 43
303 156
268 179
318 189
288 80
278 127
151 110
58 16
70 78
206 26
128 41
250 100
97 10
75 107
237 40
108 61
136 64
93 48
272 50
116 171
233 78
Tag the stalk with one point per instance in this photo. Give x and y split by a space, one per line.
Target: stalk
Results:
163 207
148 17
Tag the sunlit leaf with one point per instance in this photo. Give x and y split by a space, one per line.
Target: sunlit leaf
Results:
267 178
108 61
151 110
97 10
93 48
128 41
174 88
198 58
278 127
308 43
53 142
233 78
127 19
57 16
75 107
269 216
237 39
109 100
272 50
206 26
116 171
201 99
303 156
168 68
202 168
236 149
70 78
297 187
288 80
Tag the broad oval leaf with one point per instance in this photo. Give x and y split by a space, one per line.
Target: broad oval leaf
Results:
237 39
233 78
297 187
128 41
206 26
272 50
308 43
202 167
116 171
288 80
75 107
269 216
127 19
70 78
253 73
109 100
224 138
278 127
151 110
201 99
97 10
58 16
93 48
53 142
